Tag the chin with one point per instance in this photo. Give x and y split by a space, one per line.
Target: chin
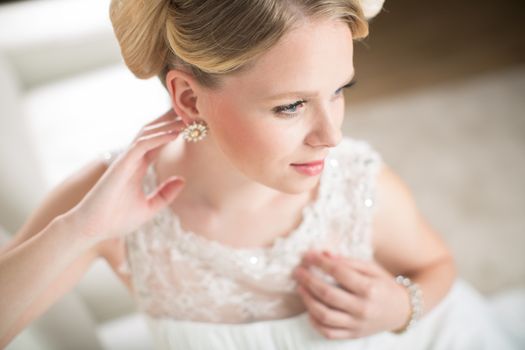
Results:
293 186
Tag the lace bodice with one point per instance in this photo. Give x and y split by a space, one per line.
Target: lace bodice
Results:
178 274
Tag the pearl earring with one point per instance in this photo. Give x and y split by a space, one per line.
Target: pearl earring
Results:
195 131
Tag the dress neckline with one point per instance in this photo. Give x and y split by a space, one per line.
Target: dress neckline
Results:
307 213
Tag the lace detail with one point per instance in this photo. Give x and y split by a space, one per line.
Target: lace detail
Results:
181 275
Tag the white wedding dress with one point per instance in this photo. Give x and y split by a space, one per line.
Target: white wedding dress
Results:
197 293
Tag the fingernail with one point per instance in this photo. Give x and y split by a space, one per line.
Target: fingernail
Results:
327 254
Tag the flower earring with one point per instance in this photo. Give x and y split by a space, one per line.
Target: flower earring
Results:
195 131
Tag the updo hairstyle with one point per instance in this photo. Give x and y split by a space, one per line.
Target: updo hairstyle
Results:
211 38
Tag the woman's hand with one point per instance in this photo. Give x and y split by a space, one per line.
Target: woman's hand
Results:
117 204
367 299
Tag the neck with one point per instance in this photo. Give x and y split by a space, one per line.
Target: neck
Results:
212 182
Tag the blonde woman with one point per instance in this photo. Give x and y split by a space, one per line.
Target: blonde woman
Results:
243 218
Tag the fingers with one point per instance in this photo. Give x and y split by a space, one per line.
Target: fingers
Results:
353 276
165 193
369 268
168 122
159 129
165 122
332 324
333 296
148 142
162 126
169 115
144 144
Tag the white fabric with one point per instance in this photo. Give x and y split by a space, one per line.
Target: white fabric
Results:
460 322
182 275
201 294
128 332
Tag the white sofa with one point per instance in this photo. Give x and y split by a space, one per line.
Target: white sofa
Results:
60 69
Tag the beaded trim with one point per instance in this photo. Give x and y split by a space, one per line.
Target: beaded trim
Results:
416 302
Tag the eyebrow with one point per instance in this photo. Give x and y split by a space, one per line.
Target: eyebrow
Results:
304 93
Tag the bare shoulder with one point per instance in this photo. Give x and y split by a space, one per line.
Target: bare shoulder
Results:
403 240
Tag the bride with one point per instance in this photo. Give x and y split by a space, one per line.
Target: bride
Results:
243 218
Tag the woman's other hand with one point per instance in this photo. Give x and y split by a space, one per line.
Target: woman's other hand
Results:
366 299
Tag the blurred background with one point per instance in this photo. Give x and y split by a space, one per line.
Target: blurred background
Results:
440 94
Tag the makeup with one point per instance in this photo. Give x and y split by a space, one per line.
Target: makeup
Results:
310 169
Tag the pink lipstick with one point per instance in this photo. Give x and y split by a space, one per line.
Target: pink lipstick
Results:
311 168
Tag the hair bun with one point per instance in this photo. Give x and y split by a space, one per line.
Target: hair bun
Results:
140 30
212 41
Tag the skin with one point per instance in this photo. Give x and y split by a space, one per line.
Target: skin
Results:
249 147
248 153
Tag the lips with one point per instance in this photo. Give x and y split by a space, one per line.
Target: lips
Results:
316 162
311 168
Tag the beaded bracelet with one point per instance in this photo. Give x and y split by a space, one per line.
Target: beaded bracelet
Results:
416 302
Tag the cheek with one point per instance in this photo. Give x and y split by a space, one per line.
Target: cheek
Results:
249 137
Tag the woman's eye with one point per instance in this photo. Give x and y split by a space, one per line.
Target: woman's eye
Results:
350 84
289 111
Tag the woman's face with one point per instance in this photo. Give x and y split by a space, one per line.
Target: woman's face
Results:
261 141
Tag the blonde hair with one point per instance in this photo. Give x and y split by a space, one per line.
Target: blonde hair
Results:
210 38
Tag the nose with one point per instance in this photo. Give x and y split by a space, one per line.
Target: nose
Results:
326 130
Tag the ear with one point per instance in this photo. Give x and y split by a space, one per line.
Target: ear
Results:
183 90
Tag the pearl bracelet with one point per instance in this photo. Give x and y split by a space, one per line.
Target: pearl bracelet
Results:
416 302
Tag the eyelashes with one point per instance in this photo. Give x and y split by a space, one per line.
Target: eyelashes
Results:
280 110
289 107
350 84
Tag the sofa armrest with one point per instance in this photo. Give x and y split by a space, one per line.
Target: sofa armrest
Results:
50 39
